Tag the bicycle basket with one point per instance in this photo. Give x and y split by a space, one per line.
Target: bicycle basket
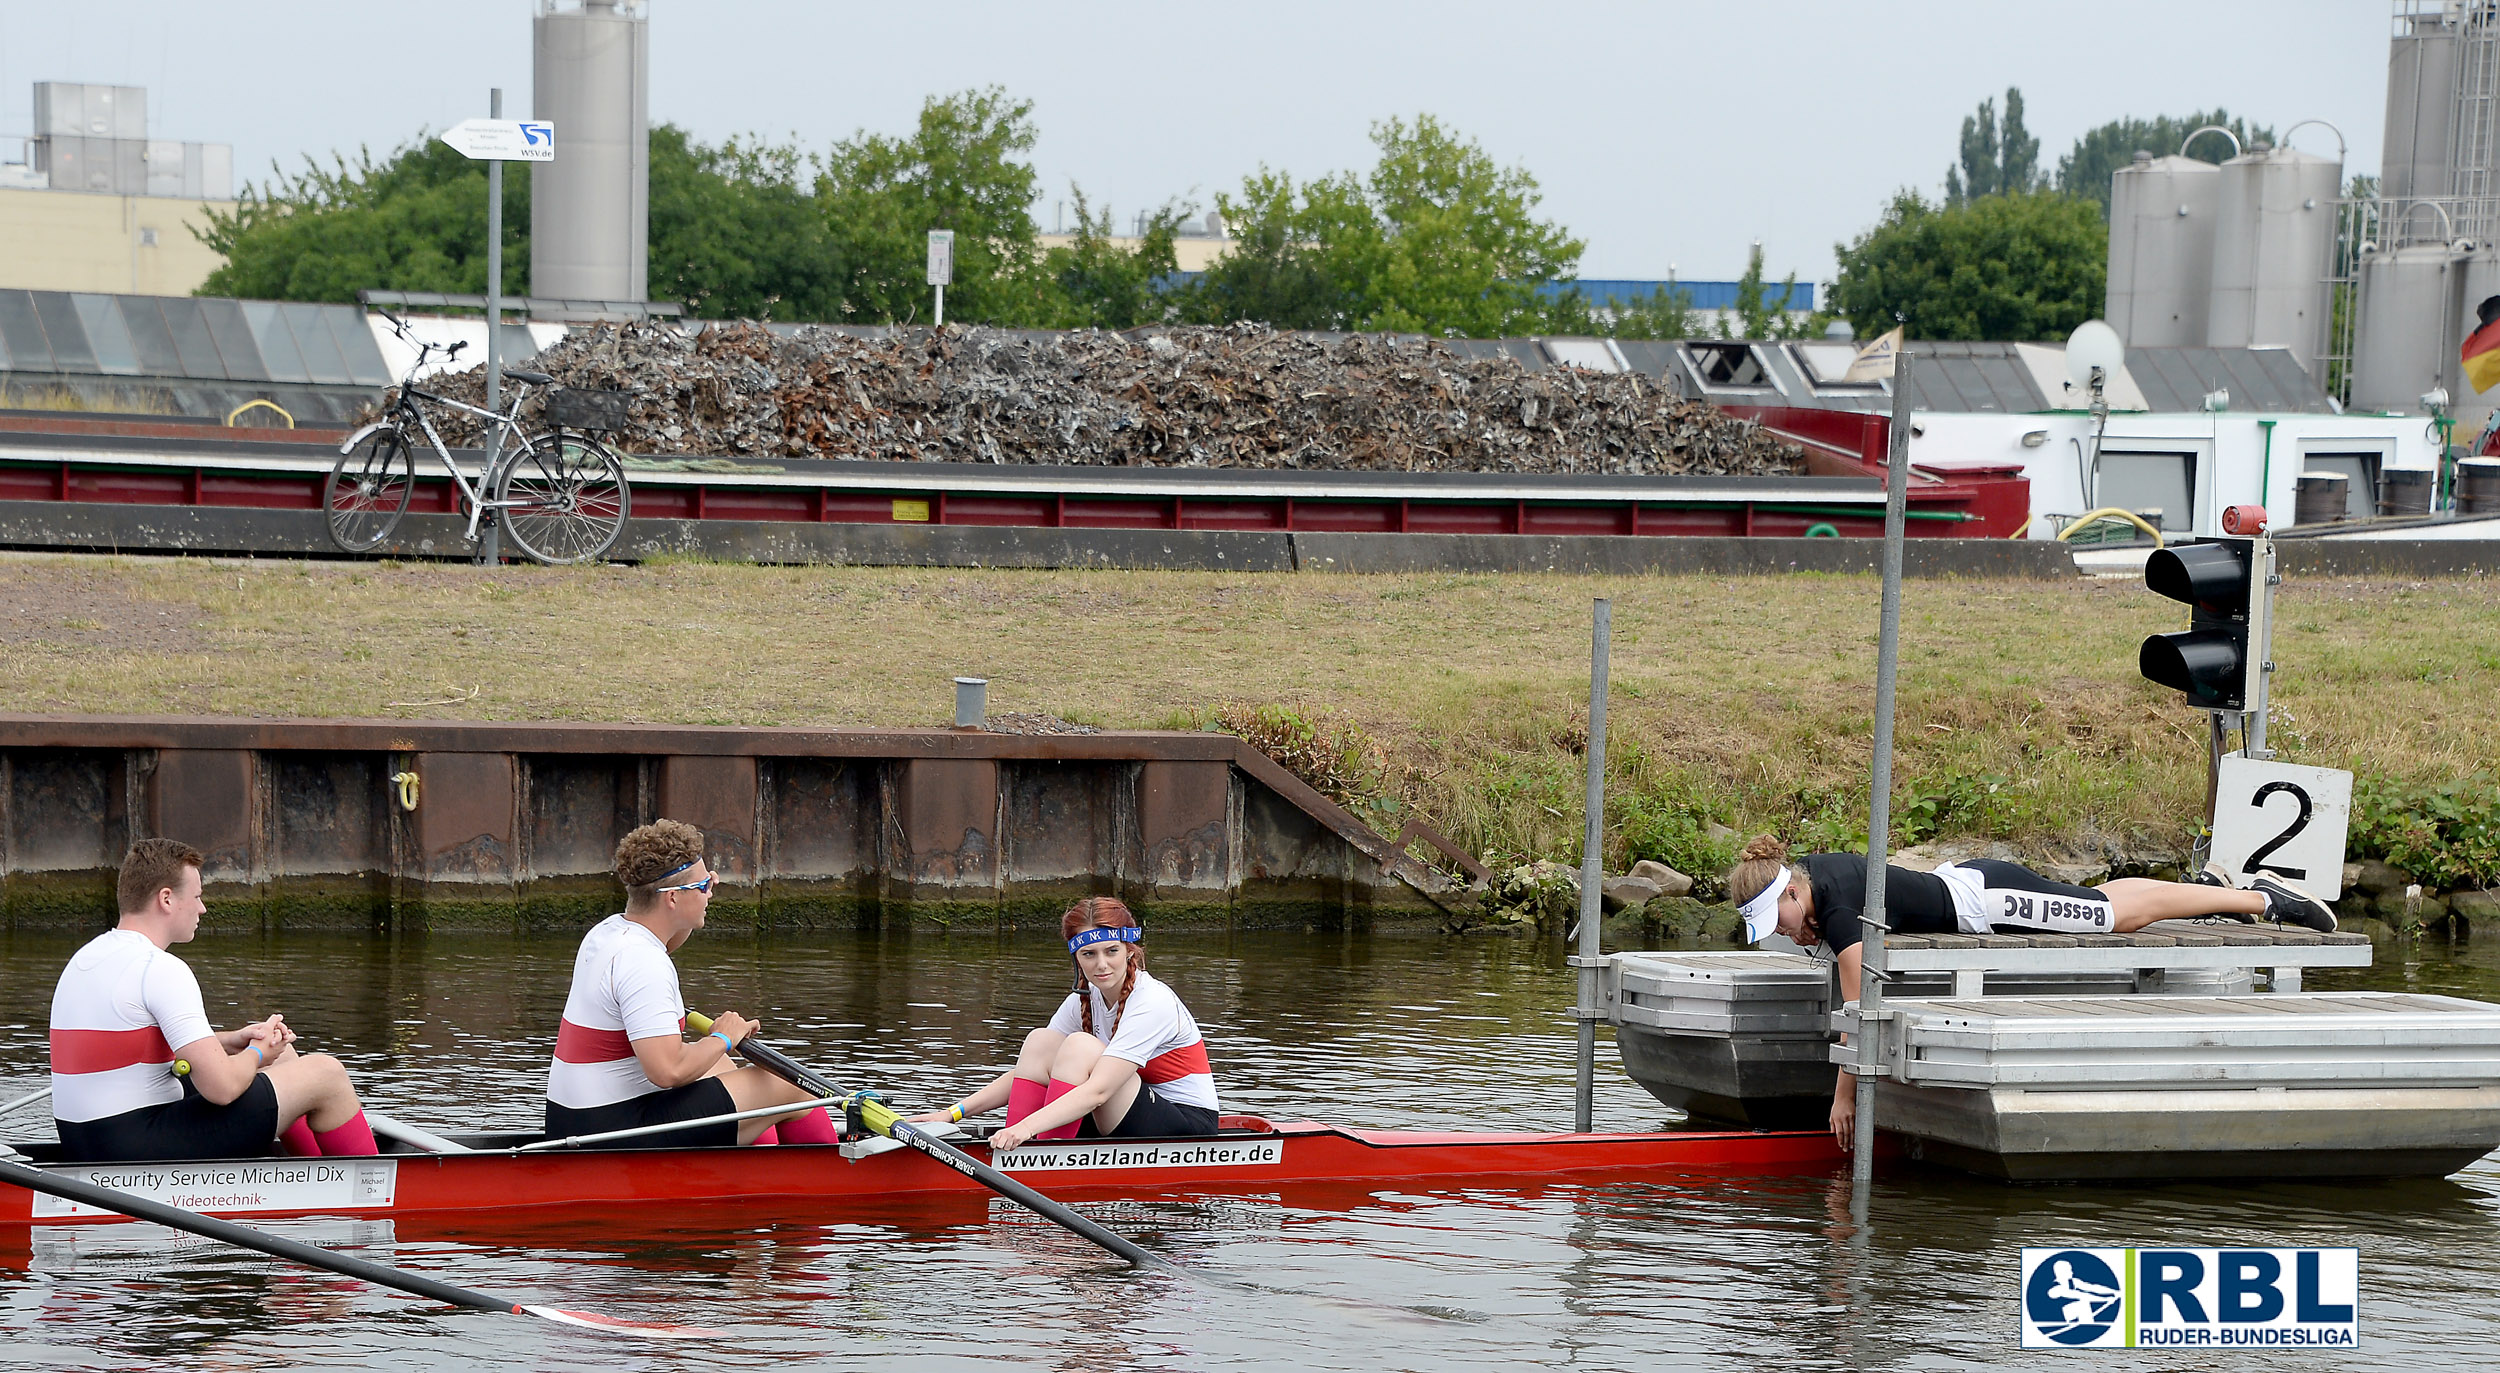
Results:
572 408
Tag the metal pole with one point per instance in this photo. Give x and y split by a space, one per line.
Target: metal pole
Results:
489 535
1592 866
941 305
1871 1022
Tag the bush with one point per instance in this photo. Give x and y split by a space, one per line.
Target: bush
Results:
1330 754
2446 836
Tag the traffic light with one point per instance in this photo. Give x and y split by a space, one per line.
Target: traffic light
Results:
2209 660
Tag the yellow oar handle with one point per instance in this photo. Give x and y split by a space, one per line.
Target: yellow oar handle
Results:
875 1114
182 1067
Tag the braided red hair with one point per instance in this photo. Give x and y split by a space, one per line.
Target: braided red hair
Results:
1102 912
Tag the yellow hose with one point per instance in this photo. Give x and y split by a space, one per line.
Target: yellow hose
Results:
2107 512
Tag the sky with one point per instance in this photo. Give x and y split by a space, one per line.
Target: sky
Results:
1668 136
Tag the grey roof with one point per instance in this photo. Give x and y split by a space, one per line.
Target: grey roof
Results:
187 338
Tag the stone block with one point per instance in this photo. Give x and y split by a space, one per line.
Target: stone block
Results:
1670 882
2378 878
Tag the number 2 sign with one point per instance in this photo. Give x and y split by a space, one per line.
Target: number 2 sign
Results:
2283 819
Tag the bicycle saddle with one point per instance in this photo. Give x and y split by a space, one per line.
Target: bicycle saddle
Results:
533 378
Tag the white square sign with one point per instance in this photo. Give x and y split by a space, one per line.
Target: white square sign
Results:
2283 819
941 257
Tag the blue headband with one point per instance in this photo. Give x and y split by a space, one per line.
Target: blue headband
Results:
1104 934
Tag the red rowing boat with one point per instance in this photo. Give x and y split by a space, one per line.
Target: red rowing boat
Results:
1248 1155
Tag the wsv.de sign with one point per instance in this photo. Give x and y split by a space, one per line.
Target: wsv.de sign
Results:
2190 1298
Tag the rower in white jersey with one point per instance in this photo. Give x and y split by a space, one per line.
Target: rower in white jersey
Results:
125 1010
622 1060
1121 1058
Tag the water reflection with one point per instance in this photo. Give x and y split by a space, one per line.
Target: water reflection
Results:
1387 1032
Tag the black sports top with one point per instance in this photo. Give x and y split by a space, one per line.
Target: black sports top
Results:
1914 902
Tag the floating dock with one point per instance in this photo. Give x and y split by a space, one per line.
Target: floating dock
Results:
2083 1056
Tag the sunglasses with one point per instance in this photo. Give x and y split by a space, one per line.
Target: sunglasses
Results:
703 886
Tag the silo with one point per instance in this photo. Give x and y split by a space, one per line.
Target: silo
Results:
2407 342
2421 106
2468 409
2161 249
590 208
2274 243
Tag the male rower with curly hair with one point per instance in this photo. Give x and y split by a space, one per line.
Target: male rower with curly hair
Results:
622 1059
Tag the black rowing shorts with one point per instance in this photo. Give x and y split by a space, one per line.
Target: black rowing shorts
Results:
192 1128
693 1101
1154 1116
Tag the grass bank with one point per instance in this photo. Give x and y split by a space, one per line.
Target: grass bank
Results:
1739 702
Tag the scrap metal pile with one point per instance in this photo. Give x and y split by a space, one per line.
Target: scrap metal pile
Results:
1238 396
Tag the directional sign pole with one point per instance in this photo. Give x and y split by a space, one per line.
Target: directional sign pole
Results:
941 267
490 533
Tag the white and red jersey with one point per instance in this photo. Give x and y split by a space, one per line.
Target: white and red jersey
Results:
1155 1032
624 989
120 1010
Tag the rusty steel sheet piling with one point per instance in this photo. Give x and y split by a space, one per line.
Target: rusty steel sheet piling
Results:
398 826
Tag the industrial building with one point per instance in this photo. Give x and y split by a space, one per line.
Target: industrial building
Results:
97 204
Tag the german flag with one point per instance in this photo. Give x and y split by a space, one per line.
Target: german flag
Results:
2481 351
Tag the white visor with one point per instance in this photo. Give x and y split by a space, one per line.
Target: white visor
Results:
1762 914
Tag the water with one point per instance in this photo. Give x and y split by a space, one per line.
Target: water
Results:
1748 1273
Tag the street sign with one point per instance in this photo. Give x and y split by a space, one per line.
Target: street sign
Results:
941 257
2283 819
503 140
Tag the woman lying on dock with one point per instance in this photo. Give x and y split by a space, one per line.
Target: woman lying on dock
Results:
1817 899
1122 1057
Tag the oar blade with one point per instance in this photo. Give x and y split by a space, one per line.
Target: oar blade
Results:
618 1325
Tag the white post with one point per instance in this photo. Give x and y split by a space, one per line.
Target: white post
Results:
1592 865
941 305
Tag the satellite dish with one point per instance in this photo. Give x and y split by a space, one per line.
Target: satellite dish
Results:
2093 344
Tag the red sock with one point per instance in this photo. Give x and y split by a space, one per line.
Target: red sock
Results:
354 1137
771 1136
297 1139
813 1128
1024 1097
1057 1090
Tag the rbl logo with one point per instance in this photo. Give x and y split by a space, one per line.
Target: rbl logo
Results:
2190 1298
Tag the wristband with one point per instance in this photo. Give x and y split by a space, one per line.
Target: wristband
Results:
955 1115
725 1041
256 1053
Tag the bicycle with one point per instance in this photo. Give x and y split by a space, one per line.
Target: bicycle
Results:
561 496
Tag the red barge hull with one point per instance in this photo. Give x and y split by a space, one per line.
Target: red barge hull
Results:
499 1177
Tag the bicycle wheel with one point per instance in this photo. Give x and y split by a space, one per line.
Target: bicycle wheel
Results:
368 490
564 500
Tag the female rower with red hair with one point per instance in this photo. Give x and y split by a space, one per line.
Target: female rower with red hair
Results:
1121 1058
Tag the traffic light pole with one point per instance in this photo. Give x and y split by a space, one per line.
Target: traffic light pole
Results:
2263 579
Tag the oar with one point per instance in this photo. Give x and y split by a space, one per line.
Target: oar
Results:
243 1236
878 1117
27 1100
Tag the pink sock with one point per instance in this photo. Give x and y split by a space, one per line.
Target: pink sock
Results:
813 1128
354 1137
1057 1090
297 1139
1024 1097
771 1136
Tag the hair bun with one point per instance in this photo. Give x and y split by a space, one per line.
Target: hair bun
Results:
1764 847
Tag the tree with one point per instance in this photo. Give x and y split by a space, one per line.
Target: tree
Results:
1438 239
731 231
960 168
734 232
2021 266
415 221
1094 283
2101 152
1759 312
1994 161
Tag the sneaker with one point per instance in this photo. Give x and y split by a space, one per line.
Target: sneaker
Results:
2287 904
2211 875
